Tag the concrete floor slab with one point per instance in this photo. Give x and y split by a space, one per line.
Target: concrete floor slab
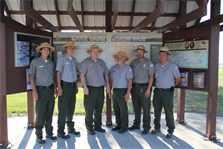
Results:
188 136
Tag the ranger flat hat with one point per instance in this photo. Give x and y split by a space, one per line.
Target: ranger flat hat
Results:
164 49
94 46
141 47
69 44
45 45
122 54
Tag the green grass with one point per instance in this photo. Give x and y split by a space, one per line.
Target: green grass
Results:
195 101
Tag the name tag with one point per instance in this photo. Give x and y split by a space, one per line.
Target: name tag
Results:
40 66
90 65
67 63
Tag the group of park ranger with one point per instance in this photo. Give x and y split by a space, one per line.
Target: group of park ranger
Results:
49 82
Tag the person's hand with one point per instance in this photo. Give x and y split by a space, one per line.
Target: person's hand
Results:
147 93
35 95
77 90
126 97
60 91
86 91
55 93
108 91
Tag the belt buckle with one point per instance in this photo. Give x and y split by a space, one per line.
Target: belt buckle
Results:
47 87
136 84
160 89
72 84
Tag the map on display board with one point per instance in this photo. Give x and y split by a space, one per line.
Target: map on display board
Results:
189 54
128 49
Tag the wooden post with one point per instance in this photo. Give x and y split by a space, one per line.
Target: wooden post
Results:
181 106
108 111
31 114
211 115
3 122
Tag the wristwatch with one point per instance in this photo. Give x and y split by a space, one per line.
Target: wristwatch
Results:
107 86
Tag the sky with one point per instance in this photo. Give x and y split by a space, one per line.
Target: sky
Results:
207 17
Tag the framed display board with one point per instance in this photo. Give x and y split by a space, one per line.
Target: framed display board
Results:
25 47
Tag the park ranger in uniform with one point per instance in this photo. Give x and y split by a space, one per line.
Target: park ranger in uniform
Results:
121 81
167 76
94 75
67 89
42 78
143 70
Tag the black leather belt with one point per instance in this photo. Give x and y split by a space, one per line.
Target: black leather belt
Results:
140 84
68 83
47 87
119 88
162 89
96 86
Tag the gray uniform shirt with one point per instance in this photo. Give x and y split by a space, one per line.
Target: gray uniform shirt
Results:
43 72
67 68
166 75
94 71
142 71
120 76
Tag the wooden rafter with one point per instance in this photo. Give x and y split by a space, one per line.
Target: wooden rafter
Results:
7 10
201 11
133 9
72 13
153 25
57 14
82 13
96 13
29 21
115 13
94 28
28 10
151 17
108 15
183 12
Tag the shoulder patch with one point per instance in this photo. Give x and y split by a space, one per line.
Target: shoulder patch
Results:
176 67
151 65
130 70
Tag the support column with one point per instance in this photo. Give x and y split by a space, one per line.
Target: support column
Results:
181 106
31 114
211 115
3 122
108 111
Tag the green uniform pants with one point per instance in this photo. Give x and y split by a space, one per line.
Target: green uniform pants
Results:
163 98
66 107
140 101
120 108
44 110
93 103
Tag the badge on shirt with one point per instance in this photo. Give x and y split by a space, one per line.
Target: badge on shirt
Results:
67 63
130 70
151 65
167 67
144 65
176 67
113 71
156 69
40 66
123 69
102 64
90 65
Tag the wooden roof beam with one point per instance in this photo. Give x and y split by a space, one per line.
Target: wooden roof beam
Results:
95 13
133 10
7 10
108 15
28 10
72 13
201 11
82 13
57 14
151 17
183 12
115 13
